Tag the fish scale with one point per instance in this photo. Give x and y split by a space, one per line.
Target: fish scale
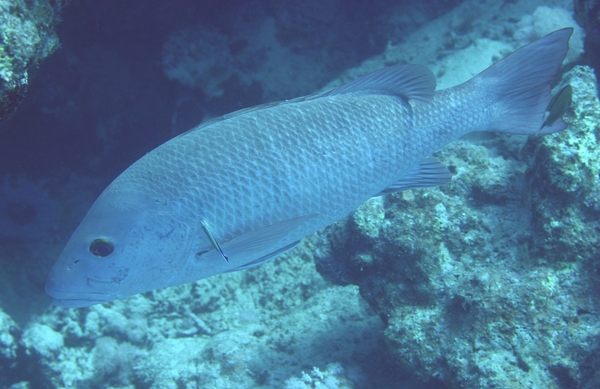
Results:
238 191
235 177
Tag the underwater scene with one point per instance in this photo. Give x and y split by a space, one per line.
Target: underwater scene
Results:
299 194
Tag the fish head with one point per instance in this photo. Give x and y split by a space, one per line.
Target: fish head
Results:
127 243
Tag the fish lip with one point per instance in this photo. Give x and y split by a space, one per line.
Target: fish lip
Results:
75 303
70 299
73 298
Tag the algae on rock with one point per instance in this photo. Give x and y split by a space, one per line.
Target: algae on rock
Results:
27 36
565 179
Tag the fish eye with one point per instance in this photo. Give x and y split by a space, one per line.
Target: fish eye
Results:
101 247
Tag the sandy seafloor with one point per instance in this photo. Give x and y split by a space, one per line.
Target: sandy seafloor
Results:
280 325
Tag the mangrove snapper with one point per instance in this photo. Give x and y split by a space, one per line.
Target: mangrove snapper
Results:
236 192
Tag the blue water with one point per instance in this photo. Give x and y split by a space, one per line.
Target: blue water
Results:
124 81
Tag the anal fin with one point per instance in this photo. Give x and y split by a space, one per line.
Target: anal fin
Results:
266 258
430 172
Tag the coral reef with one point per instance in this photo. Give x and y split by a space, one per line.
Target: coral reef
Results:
565 181
272 56
199 58
331 378
250 63
545 20
8 347
26 37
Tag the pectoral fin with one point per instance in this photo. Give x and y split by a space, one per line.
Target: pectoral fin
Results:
253 243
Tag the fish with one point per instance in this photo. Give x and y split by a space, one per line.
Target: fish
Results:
240 190
559 104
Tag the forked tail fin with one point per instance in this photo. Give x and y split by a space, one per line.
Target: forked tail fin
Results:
522 83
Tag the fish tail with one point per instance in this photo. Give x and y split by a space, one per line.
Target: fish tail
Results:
522 85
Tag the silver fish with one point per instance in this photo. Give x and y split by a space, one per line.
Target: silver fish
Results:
236 192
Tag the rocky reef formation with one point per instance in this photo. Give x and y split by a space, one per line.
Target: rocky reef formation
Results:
492 280
271 55
26 37
9 333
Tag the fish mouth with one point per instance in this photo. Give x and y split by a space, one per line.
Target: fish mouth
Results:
69 292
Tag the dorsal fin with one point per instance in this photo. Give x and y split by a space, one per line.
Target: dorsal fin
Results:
412 82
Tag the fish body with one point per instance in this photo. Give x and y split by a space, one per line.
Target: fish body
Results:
238 191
